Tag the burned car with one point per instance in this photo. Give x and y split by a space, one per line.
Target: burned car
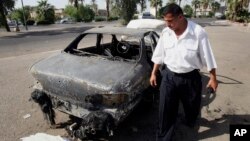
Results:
99 78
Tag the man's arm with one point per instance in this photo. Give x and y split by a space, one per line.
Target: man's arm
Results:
153 78
212 81
208 60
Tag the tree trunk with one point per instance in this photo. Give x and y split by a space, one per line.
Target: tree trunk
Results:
142 7
76 4
4 18
195 11
156 11
142 3
107 8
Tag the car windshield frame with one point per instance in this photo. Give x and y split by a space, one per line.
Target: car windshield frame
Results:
140 35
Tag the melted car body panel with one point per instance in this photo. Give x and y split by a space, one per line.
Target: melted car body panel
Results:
103 82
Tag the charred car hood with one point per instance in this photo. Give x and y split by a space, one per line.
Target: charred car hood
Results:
75 77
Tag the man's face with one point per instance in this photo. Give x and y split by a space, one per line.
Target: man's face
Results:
173 22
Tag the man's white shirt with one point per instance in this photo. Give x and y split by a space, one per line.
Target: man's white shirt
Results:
190 51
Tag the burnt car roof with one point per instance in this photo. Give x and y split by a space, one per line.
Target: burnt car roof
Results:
118 30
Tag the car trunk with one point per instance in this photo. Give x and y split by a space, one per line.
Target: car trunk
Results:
73 77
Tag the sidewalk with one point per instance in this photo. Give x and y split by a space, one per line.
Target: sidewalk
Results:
241 26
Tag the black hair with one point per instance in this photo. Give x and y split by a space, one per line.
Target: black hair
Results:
173 9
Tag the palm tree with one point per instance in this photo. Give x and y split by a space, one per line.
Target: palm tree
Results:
155 4
94 6
75 2
142 4
215 6
45 11
6 5
195 4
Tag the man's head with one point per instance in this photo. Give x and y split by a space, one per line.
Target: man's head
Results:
173 16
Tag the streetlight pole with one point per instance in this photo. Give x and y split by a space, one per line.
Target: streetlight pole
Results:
24 17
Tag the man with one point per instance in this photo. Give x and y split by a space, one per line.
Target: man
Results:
184 49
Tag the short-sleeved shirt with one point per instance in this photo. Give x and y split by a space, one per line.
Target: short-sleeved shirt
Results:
190 51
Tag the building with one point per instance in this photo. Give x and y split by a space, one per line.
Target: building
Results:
201 11
59 13
101 12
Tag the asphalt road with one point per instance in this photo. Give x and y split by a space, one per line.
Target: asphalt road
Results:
43 38
38 41
18 53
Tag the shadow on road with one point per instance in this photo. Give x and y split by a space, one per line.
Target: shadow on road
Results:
141 124
214 24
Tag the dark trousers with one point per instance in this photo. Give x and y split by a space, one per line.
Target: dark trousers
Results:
174 87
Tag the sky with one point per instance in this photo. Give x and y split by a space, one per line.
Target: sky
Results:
63 3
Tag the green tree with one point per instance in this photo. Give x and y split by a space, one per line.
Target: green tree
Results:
17 14
76 3
82 13
45 12
156 4
115 9
237 10
215 6
5 6
85 13
195 4
127 9
71 11
188 10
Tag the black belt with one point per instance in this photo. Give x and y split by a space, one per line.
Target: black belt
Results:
188 74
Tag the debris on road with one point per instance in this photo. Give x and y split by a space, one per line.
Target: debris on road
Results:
43 137
26 116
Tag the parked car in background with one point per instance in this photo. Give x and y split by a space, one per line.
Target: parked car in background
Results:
98 79
67 21
13 23
146 15
219 15
147 24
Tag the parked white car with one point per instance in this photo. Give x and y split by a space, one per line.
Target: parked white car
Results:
67 21
219 15
149 24
146 15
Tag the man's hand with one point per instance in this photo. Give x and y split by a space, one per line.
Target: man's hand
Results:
213 84
213 81
153 80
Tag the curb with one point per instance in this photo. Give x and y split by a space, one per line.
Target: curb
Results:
13 33
3 33
239 24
